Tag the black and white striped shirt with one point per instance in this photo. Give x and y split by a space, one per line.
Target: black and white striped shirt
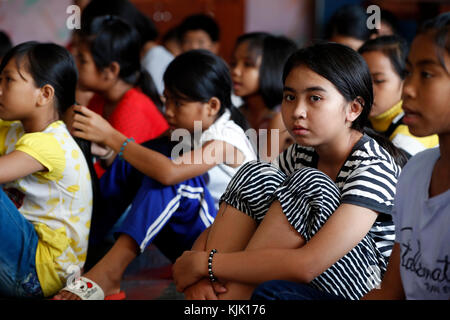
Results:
368 179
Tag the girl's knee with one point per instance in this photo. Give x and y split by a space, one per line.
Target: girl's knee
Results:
310 181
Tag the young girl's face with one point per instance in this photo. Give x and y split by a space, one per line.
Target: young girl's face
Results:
89 77
387 84
182 113
426 91
245 71
18 92
313 110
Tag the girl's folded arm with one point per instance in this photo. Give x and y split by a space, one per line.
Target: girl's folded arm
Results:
16 165
341 233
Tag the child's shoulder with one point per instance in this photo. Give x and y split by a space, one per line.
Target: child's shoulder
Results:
420 164
367 154
368 149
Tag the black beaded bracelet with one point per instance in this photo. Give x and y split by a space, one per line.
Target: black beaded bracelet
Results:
212 278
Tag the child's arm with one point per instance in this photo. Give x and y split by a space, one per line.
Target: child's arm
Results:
328 245
16 165
391 285
91 126
203 289
200 243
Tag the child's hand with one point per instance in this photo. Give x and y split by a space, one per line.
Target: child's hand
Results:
189 268
89 125
101 151
204 290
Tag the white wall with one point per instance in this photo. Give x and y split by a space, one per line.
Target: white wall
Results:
40 20
286 17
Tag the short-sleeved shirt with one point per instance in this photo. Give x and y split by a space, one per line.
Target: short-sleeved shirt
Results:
368 179
156 61
135 116
57 201
225 129
423 230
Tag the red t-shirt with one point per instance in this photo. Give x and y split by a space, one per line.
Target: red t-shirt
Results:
136 116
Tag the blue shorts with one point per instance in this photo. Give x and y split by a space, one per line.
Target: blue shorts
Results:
171 217
18 242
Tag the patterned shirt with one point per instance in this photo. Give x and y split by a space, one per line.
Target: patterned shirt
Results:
57 201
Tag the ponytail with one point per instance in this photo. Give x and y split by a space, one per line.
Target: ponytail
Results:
148 87
399 155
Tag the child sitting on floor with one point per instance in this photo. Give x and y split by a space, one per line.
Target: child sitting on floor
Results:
173 203
319 216
46 197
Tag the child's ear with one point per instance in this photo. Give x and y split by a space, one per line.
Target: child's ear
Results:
46 95
355 108
112 71
213 106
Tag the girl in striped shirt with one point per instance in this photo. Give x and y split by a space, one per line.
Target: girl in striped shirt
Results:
318 217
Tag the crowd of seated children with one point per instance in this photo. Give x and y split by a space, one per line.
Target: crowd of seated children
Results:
176 200
120 134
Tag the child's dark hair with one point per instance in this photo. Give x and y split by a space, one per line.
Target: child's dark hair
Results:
349 73
49 63
200 22
349 20
5 44
146 28
111 39
123 9
199 75
440 25
390 19
172 33
274 51
394 47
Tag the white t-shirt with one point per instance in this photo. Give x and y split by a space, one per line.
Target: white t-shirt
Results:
422 230
155 62
225 129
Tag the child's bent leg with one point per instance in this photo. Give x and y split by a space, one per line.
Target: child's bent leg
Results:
303 203
182 211
275 231
170 216
18 242
243 206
